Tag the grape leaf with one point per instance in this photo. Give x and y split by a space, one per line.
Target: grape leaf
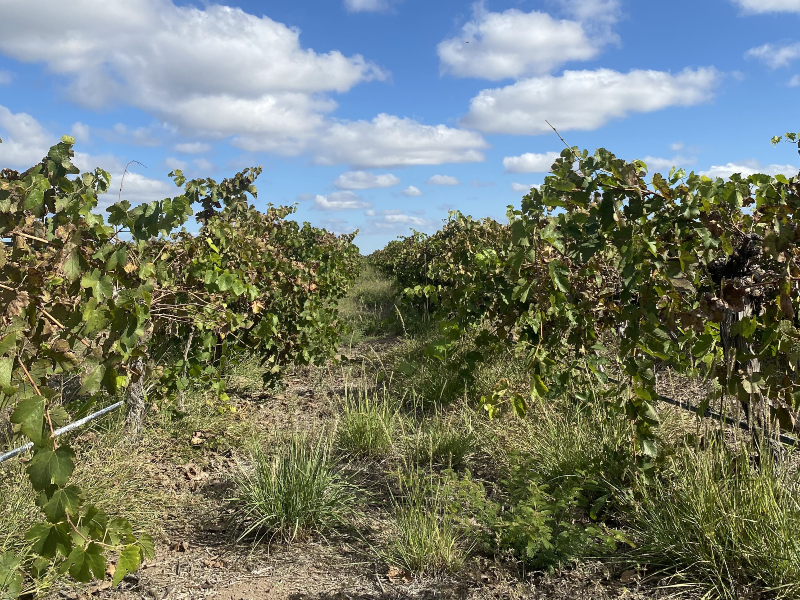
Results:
29 415
128 562
51 466
85 562
62 501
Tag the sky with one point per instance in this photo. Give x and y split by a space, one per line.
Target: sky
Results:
383 115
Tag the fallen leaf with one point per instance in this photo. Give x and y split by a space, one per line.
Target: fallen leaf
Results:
98 587
398 574
627 576
180 546
193 472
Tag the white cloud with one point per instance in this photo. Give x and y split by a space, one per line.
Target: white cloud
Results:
477 183
340 201
139 136
748 167
389 141
775 56
81 132
203 164
368 5
174 163
767 6
146 53
192 147
530 162
522 187
514 43
655 163
443 180
6 77
676 146
337 226
794 81
388 221
585 100
364 180
411 191
25 141
136 188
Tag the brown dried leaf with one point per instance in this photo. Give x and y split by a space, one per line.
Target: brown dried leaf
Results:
18 305
398 574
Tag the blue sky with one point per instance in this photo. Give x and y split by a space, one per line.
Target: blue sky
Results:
381 115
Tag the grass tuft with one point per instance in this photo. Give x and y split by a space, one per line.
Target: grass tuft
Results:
425 539
366 427
725 523
295 492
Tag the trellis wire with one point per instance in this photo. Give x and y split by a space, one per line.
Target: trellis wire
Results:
65 429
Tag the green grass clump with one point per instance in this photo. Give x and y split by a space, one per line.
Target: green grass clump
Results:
366 427
297 491
724 523
425 539
443 443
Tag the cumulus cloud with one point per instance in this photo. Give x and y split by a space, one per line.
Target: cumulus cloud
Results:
175 62
174 163
442 180
522 187
655 163
25 141
364 180
523 107
389 141
514 43
747 168
769 6
340 201
192 147
203 164
411 191
388 221
368 5
530 162
81 132
775 55
337 226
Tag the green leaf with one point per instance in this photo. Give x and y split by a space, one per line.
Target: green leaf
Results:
63 501
8 344
51 466
128 562
649 447
29 415
49 540
6 368
101 285
85 562
93 380
560 275
10 576
72 266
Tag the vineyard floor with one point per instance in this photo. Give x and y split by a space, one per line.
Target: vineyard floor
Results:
177 480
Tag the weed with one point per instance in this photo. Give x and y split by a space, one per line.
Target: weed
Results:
425 538
366 426
442 442
723 522
297 491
